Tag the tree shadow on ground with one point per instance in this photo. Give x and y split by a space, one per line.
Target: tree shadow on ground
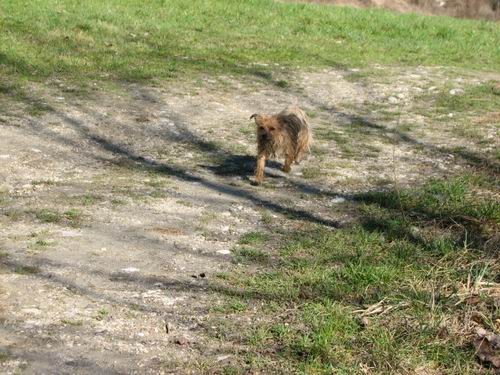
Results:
43 360
410 228
362 123
238 165
137 161
234 165
456 221
395 223
471 158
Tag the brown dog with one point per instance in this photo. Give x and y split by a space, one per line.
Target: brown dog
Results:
284 134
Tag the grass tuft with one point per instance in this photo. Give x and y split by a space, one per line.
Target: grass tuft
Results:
253 238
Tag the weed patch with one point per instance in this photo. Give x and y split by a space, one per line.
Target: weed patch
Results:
72 217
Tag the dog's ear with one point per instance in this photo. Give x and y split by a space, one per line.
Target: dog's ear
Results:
253 116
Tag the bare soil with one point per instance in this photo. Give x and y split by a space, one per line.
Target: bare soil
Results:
148 190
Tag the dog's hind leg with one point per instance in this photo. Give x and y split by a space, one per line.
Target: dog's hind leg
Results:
288 163
302 148
299 156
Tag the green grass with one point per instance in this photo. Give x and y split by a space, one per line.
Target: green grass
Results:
136 40
266 217
476 99
4 357
101 314
89 199
71 322
48 216
253 238
40 243
311 172
43 182
118 202
462 203
26 270
72 217
411 253
250 255
231 305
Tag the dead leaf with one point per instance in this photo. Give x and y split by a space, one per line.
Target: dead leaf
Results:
487 346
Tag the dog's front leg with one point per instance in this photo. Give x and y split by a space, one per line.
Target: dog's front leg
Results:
259 169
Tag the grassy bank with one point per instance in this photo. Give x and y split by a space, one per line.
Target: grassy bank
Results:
135 40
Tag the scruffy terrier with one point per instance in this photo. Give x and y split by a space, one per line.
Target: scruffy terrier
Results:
285 134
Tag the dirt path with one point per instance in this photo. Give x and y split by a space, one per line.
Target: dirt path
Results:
118 209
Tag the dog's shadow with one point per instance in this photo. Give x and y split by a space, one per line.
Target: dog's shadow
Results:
241 165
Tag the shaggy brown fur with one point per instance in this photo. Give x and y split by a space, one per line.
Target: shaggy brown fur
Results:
285 134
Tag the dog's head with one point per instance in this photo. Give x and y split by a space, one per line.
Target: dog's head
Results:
268 127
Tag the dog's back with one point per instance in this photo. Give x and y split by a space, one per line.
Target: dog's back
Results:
297 125
294 111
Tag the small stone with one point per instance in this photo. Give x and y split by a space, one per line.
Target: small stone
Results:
392 100
224 252
181 341
414 231
338 200
456 91
31 311
69 233
130 270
